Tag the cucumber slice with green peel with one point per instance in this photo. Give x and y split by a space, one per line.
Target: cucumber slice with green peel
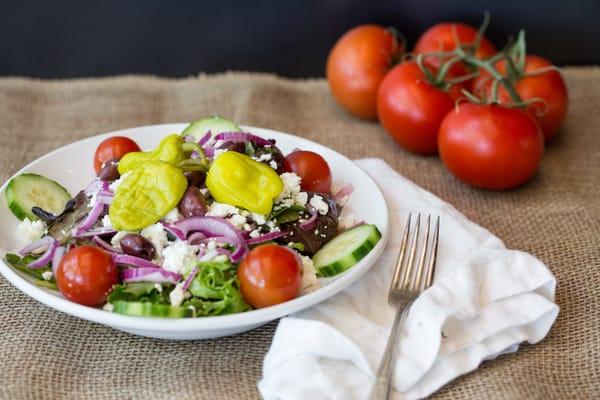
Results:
145 309
214 124
32 190
345 250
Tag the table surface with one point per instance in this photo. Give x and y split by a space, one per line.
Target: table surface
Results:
46 354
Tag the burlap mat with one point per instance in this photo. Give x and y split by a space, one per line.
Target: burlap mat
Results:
46 354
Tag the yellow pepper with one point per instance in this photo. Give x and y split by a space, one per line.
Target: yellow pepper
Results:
146 195
236 179
170 150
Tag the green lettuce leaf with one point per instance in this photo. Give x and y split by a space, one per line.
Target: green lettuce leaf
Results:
140 291
20 264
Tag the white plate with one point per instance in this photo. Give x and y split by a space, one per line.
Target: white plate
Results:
72 167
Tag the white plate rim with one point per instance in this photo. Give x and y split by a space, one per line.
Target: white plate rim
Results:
213 323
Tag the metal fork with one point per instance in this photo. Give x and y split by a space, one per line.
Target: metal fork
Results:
411 277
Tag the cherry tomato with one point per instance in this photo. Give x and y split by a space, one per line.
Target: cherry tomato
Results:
86 275
311 168
491 146
443 37
269 275
113 148
548 86
411 109
357 64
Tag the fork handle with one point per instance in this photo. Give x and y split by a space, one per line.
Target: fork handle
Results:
383 382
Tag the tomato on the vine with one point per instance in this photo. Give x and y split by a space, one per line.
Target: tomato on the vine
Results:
311 168
549 87
86 275
357 64
491 146
411 109
113 148
446 37
269 275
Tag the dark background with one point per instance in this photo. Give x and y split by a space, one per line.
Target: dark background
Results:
61 39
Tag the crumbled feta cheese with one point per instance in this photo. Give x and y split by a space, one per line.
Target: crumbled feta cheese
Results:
116 240
291 193
254 234
158 287
179 256
157 236
204 191
172 216
319 204
211 245
106 221
237 220
31 231
273 164
245 213
346 222
108 307
47 275
115 185
259 218
93 199
310 282
221 210
177 296
272 226
210 255
263 157
247 227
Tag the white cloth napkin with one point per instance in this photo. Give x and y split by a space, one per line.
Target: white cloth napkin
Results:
485 300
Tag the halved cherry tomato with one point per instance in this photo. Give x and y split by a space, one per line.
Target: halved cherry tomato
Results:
269 275
491 146
411 109
113 148
357 64
446 37
311 168
86 274
549 87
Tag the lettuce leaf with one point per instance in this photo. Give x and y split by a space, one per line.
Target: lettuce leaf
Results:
140 291
20 264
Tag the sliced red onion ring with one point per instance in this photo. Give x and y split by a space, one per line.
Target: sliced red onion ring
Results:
204 139
175 231
56 259
96 232
106 246
195 237
343 192
217 239
46 241
91 218
48 255
189 279
150 274
133 261
209 151
189 139
242 137
224 251
311 221
266 237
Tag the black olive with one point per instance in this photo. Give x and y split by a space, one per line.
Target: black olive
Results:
137 245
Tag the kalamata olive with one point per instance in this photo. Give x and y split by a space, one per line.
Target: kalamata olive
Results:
109 171
137 245
238 147
193 203
195 178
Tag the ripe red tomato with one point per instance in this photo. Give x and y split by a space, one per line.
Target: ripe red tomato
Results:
548 86
357 64
311 168
491 146
269 275
86 274
411 109
442 37
113 148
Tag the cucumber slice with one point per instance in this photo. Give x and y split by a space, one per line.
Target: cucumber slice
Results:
30 190
214 124
345 250
145 309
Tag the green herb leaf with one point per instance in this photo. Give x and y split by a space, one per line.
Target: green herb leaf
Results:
20 264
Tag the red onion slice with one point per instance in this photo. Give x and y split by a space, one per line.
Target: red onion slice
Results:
311 221
195 237
38 244
189 279
150 274
266 237
343 192
95 232
48 255
242 137
175 231
58 255
133 261
91 218
101 243
204 139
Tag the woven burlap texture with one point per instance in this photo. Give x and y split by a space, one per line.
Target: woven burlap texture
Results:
48 355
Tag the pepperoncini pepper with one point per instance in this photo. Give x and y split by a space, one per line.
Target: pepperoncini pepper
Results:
236 179
146 195
171 150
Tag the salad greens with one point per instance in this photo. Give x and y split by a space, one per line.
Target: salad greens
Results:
20 264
